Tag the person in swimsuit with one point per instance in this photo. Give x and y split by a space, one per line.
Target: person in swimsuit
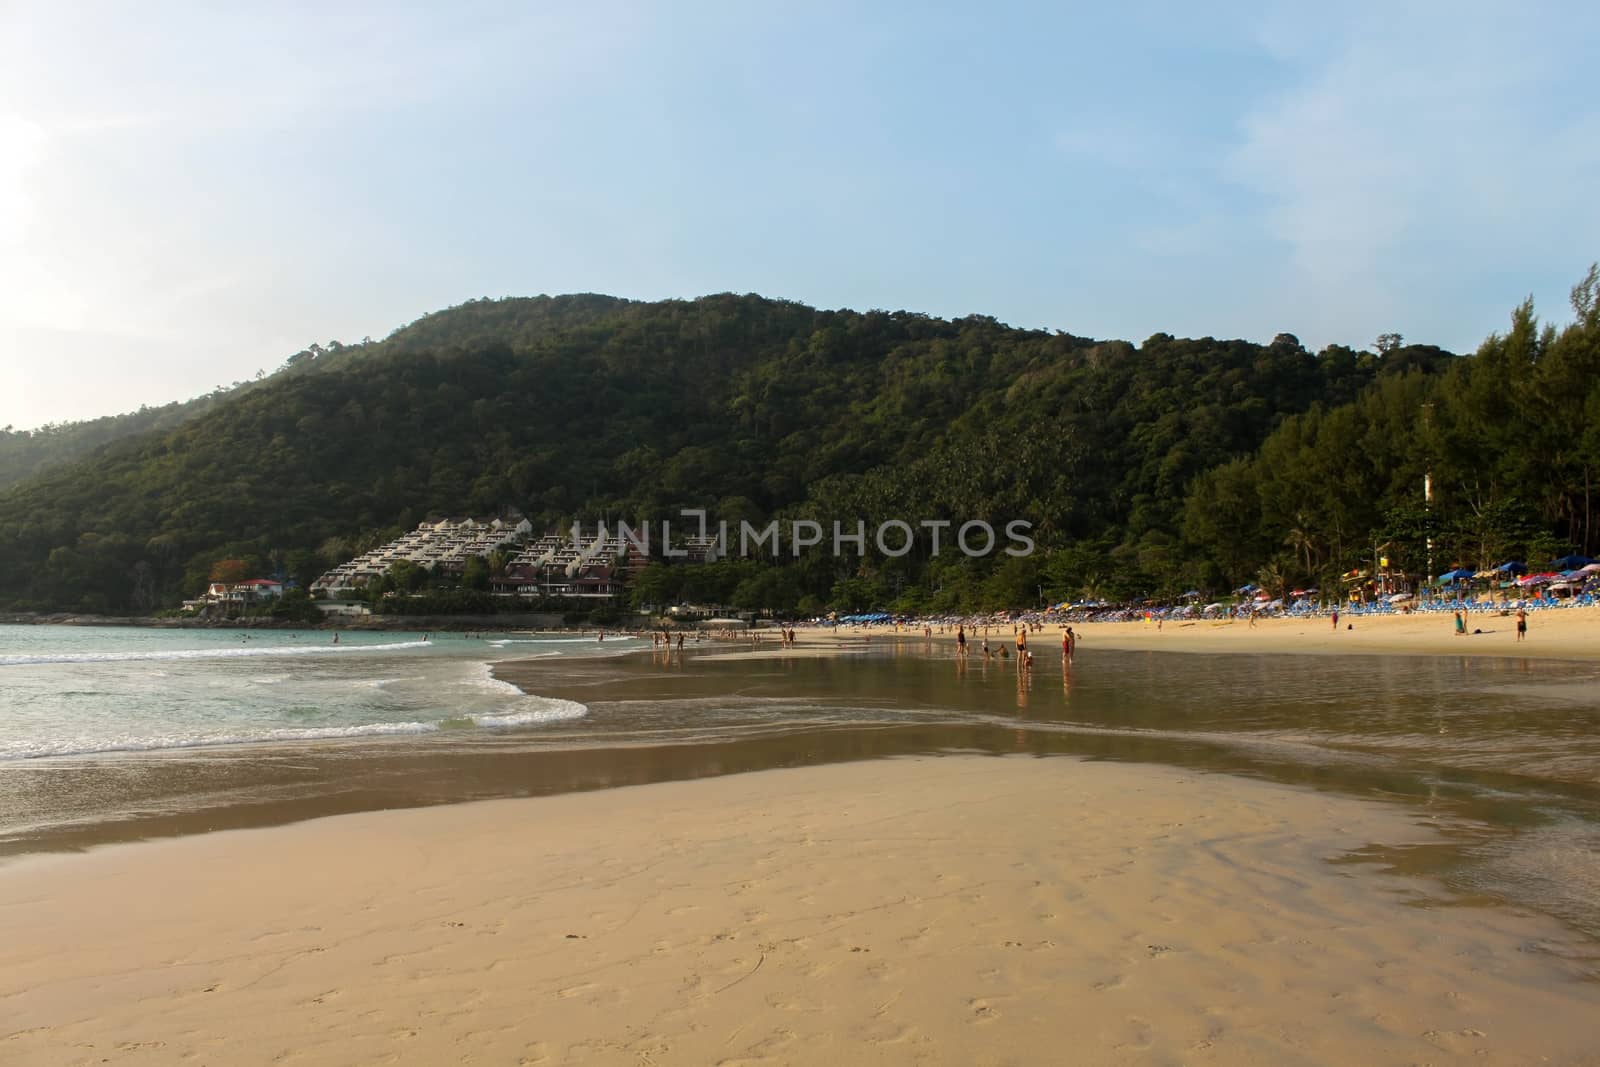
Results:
1522 623
961 640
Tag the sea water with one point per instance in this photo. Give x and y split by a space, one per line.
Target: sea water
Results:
68 690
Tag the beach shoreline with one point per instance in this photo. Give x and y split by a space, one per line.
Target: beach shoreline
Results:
1562 634
954 909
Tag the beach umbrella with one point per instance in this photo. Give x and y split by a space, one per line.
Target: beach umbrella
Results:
1593 568
1513 568
1455 575
1570 563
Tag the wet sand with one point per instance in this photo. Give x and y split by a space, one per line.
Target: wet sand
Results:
938 910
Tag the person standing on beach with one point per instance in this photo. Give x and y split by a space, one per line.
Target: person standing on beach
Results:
1522 623
1336 618
1022 645
961 640
1461 625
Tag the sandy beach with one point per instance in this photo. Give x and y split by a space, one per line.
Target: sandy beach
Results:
930 910
1569 633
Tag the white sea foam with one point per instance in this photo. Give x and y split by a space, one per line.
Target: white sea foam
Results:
484 679
381 683
548 709
205 653
85 746
530 711
559 641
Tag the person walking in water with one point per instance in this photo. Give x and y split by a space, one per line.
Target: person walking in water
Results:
961 640
1022 645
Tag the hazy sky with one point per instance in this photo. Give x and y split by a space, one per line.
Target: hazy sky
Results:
192 192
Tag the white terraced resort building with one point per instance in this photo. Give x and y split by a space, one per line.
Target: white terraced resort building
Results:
444 544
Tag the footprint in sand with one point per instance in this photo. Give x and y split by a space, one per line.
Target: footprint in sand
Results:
984 1010
1141 1035
576 990
887 1033
1116 981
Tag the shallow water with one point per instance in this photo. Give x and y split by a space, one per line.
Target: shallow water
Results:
93 690
1503 755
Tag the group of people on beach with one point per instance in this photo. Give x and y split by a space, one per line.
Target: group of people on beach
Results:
1461 624
663 639
1069 643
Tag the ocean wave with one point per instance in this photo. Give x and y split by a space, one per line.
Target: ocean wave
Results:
498 642
204 653
549 710
530 711
85 746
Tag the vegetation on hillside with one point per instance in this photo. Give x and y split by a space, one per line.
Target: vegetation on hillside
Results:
1145 469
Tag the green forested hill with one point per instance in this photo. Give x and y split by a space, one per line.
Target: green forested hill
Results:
1172 463
24 453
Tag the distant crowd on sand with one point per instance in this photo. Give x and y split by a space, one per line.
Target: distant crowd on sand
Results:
664 639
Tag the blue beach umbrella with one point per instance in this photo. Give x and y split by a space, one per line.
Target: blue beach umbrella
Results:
1571 563
1513 568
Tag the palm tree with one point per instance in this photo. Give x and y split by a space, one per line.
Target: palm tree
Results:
1273 580
1302 541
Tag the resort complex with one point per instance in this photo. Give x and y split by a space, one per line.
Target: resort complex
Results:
583 563
444 544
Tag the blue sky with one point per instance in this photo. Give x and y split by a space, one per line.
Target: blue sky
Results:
190 193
